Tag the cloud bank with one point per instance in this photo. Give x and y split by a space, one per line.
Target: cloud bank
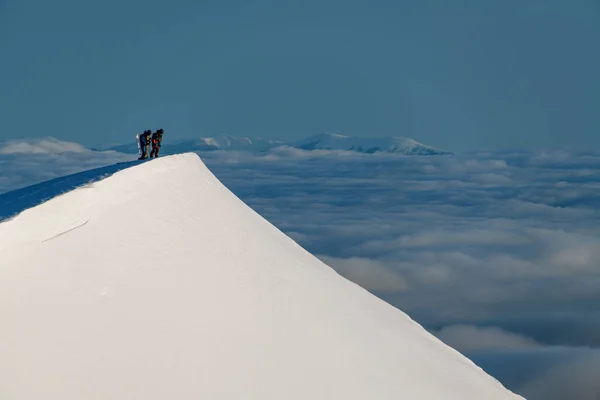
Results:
27 162
40 146
469 338
576 378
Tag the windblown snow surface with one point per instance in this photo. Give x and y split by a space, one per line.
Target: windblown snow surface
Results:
158 283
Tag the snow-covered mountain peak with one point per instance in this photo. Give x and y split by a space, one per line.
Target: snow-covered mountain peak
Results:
159 283
228 142
331 135
398 144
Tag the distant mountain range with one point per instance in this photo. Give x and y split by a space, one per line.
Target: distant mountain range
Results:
401 145
323 141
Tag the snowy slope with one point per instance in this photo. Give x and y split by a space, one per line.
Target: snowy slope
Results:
158 283
401 145
15 201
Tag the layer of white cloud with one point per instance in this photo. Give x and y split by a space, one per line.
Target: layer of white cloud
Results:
467 338
29 162
370 274
574 379
40 146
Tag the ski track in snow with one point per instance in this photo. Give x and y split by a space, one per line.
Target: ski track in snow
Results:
77 225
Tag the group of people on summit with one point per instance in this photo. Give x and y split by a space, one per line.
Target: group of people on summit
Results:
148 138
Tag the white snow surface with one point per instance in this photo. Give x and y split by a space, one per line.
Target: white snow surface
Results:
159 283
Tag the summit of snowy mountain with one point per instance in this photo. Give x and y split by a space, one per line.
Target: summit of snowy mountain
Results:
157 282
401 145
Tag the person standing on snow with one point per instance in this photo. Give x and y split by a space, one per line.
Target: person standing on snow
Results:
156 142
145 142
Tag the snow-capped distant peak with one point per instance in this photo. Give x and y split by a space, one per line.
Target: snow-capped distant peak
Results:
228 142
209 141
334 135
398 144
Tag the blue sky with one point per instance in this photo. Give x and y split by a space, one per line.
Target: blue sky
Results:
458 75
